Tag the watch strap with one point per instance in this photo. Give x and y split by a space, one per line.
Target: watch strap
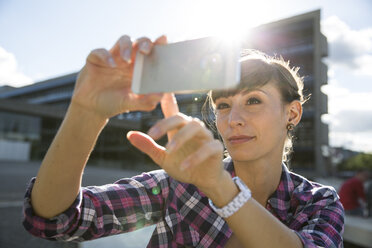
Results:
238 201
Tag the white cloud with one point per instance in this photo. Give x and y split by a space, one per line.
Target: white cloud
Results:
365 62
10 74
349 118
343 99
353 121
357 141
347 47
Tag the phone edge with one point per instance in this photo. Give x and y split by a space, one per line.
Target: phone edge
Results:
137 73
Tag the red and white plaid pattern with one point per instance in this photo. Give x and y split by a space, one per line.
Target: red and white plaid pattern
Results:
182 214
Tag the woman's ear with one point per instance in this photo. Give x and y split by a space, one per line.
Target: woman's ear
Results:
294 112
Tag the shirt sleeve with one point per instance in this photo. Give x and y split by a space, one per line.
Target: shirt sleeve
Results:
99 211
323 220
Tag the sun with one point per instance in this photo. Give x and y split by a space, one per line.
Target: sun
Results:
230 20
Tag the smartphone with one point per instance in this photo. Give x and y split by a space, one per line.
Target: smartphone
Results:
188 66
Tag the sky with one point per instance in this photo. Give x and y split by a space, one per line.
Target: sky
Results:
43 39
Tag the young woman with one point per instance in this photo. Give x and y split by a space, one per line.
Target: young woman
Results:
249 199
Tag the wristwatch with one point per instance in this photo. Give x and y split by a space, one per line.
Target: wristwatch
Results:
239 200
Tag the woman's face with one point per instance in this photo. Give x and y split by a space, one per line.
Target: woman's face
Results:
253 123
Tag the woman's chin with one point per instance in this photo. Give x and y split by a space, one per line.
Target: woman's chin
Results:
244 156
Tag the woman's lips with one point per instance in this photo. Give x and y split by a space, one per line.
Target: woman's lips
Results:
239 139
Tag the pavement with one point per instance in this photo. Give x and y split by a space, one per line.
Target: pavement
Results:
14 177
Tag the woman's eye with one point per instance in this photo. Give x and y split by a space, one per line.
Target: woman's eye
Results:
222 105
252 101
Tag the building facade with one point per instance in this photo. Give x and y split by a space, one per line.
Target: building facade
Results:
299 40
30 115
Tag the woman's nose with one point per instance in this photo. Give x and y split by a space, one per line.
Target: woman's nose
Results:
236 118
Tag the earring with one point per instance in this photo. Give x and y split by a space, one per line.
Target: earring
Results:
290 126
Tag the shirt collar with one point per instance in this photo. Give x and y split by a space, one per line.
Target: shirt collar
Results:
279 202
229 166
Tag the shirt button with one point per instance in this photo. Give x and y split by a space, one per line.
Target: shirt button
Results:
148 216
155 190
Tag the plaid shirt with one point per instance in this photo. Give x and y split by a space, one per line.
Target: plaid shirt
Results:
182 214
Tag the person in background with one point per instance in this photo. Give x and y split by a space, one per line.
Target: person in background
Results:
369 199
352 194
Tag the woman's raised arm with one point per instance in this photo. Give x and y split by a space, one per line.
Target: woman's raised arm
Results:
102 90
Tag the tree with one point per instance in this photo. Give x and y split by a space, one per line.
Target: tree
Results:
361 161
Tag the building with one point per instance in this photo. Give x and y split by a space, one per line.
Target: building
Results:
299 40
31 115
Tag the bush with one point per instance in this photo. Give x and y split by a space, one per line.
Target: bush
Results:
361 161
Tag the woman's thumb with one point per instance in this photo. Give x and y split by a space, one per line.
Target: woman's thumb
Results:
147 145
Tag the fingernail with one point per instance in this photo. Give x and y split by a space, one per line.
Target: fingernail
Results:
145 47
126 55
129 134
111 62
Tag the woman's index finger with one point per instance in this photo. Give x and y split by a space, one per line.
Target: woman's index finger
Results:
162 40
170 108
169 105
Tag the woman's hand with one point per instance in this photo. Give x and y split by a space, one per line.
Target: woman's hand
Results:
104 84
192 156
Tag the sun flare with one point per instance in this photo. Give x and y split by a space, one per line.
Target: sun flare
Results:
230 20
